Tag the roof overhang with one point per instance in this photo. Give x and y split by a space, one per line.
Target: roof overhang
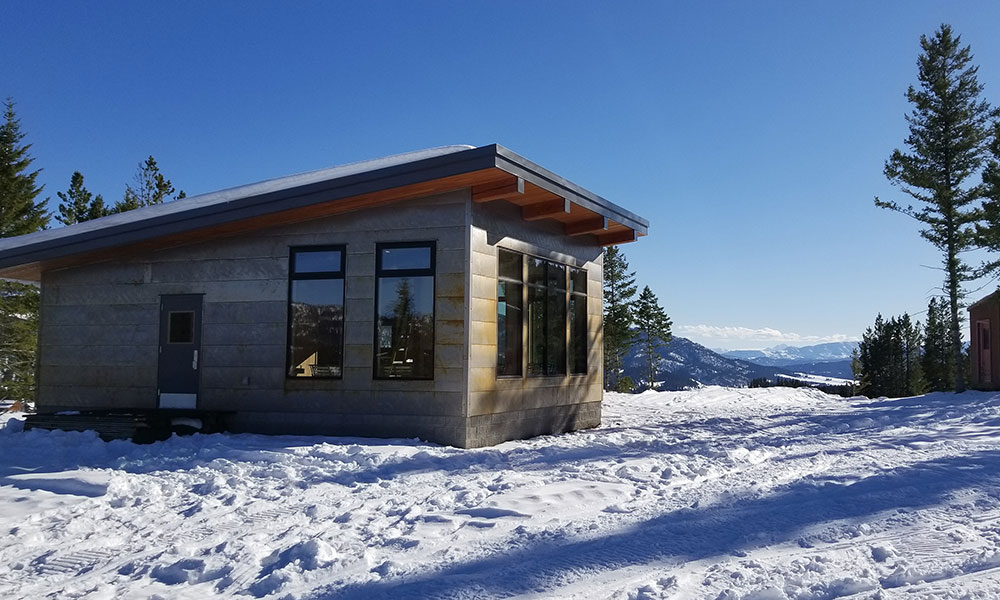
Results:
493 172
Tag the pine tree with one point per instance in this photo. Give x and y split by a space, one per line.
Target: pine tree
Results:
653 326
150 188
20 213
939 372
988 233
619 315
948 139
888 359
78 204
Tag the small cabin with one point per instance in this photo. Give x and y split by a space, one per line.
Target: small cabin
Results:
984 356
451 294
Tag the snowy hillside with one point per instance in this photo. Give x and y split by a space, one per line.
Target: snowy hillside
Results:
721 494
687 364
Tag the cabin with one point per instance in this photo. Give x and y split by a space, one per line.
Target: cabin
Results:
984 357
452 294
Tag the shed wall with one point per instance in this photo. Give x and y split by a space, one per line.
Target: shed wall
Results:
98 339
511 408
987 310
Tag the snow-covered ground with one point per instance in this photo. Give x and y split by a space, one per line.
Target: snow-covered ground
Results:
722 494
816 379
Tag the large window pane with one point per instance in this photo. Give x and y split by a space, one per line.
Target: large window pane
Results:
405 328
509 314
546 317
555 339
578 333
316 344
536 330
509 320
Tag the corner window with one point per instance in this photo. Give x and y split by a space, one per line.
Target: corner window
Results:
546 317
316 312
577 321
510 299
404 311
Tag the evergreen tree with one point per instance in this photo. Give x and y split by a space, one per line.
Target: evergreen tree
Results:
989 230
653 326
888 359
948 139
20 210
78 204
150 188
619 315
939 372
20 213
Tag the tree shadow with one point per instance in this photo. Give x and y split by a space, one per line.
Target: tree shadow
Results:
691 534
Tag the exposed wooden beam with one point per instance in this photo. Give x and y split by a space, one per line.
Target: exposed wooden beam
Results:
497 191
617 237
546 209
592 225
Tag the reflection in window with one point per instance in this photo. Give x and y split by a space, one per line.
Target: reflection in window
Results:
577 321
404 305
316 313
546 317
509 317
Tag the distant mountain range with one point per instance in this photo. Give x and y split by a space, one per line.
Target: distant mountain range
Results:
687 364
783 356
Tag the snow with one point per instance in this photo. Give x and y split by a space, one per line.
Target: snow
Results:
227 195
816 379
715 493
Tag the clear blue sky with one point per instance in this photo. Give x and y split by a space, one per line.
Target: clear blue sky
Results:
752 135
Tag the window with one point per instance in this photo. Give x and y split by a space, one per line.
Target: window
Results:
316 312
577 321
180 327
546 317
509 317
404 311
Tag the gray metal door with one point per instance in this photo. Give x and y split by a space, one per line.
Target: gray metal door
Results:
180 345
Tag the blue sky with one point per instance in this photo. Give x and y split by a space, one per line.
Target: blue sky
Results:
752 135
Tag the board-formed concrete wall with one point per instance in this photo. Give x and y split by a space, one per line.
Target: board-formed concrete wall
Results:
517 407
98 339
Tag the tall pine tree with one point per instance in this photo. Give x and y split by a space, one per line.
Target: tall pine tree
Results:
78 204
21 212
653 326
619 315
939 372
949 135
150 187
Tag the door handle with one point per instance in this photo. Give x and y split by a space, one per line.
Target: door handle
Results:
194 361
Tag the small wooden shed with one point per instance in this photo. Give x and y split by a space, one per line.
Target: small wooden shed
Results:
452 294
984 356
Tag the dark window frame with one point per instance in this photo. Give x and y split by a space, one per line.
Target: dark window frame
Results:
430 271
313 275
